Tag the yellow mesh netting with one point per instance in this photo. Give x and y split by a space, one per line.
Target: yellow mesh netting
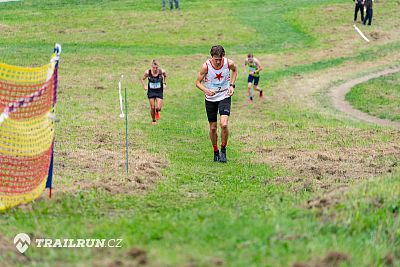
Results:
27 98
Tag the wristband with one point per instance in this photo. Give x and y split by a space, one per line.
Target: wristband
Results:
232 84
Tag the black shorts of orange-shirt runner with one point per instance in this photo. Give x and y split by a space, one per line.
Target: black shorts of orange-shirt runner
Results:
223 107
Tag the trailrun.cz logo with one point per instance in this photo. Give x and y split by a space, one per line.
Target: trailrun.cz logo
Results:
22 242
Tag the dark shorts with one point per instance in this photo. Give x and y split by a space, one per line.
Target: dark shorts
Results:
151 93
212 108
252 78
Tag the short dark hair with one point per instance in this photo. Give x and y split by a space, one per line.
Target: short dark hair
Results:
250 55
217 50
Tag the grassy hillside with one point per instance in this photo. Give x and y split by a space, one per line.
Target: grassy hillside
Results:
304 183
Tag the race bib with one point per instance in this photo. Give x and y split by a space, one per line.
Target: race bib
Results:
155 85
252 68
218 86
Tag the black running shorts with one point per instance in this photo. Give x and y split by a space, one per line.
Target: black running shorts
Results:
251 78
212 108
155 93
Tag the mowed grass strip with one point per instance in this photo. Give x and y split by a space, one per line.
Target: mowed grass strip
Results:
379 97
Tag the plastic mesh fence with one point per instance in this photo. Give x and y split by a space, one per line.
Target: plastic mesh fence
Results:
27 101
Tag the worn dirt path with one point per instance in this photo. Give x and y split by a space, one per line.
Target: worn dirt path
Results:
338 98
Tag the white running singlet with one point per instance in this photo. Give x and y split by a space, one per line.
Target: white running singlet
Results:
217 80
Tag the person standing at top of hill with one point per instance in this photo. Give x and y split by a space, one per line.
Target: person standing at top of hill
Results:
157 82
359 6
215 80
368 5
171 6
254 67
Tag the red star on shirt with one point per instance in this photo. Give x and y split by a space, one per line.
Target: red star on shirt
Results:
218 76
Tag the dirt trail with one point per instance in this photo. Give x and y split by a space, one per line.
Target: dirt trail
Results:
319 157
338 94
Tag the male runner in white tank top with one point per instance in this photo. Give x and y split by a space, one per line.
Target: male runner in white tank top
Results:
218 85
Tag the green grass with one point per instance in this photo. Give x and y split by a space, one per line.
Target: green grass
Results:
201 211
379 97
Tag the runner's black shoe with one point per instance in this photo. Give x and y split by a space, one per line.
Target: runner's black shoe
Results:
223 157
216 156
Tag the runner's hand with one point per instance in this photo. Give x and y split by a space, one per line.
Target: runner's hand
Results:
209 92
231 90
145 87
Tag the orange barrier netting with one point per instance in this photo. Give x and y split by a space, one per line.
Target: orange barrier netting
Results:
23 174
27 101
10 93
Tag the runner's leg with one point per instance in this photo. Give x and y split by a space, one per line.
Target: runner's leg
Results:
250 91
249 84
212 115
159 107
224 129
213 134
152 109
224 111
256 80
224 137
160 103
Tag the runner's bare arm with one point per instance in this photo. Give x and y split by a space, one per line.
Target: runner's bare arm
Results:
143 79
259 66
200 77
164 73
245 66
233 68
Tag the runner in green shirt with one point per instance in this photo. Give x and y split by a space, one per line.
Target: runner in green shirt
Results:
253 66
